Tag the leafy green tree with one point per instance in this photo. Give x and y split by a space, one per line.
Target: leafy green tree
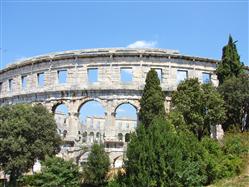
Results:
230 65
200 105
235 92
27 133
55 172
152 101
157 156
97 166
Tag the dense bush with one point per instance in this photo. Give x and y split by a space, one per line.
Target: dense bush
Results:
161 156
55 172
158 156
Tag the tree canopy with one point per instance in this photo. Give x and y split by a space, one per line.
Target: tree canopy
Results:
230 65
27 133
152 101
97 166
55 172
200 106
235 92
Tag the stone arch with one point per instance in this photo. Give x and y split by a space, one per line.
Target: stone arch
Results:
84 137
54 105
91 137
120 137
115 163
88 113
97 137
86 100
127 137
135 104
82 157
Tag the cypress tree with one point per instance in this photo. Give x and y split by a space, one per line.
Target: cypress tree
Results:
97 166
230 65
152 101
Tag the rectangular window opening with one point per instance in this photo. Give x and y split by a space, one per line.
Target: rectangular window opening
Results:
24 81
126 75
159 73
62 76
1 86
10 84
41 79
206 78
181 75
92 75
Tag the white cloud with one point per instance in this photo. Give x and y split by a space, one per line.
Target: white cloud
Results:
143 44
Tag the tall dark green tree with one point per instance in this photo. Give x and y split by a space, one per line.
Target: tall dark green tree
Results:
152 101
157 156
230 65
235 92
27 133
200 105
97 166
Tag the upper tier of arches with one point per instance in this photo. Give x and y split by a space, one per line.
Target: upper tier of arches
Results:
101 70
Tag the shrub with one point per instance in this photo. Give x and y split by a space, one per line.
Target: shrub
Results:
158 156
55 172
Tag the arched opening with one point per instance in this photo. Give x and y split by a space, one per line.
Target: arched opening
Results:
127 137
125 119
92 119
91 137
120 137
61 114
84 137
118 162
97 139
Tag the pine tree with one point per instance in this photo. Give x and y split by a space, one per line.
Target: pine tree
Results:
152 101
230 65
97 166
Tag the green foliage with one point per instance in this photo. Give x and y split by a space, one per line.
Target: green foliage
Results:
97 166
152 101
235 92
236 143
157 156
26 133
55 172
199 105
160 156
230 65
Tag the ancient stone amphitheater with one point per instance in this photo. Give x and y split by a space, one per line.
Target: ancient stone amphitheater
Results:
38 80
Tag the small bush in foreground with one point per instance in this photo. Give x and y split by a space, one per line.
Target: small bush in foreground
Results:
55 172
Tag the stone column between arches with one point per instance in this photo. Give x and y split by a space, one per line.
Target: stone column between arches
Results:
110 122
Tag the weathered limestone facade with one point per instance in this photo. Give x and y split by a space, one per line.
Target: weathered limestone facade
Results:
36 80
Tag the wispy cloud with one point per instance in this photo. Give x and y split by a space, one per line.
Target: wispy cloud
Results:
143 44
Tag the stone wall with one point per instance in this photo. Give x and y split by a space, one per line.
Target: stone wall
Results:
109 89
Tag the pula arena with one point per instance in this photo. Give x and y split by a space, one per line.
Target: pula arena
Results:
37 80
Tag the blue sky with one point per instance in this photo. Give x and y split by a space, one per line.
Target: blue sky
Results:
194 28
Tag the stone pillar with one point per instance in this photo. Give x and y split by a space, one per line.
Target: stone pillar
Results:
216 132
73 122
110 122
